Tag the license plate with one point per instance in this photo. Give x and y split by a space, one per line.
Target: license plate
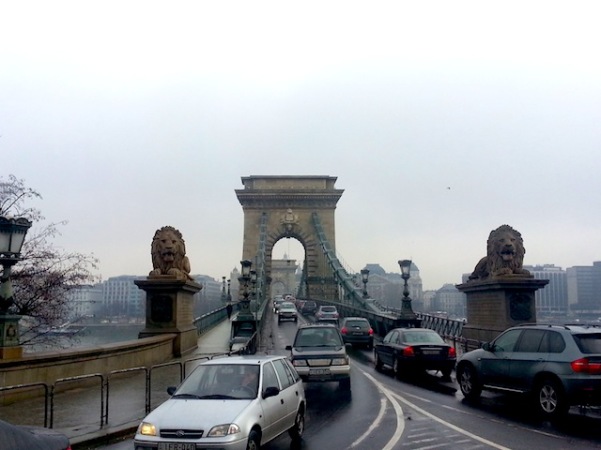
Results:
431 352
176 446
319 371
358 333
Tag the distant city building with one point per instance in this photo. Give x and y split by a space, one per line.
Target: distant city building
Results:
209 297
553 298
584 289
387 288
450 301
84 302
121 297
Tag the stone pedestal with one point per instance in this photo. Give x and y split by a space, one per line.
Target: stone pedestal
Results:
495 304
9 337
170 309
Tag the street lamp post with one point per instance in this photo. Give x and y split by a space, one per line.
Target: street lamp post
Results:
12 236
364 278
253 289
407 315
244 280
229 292
223 292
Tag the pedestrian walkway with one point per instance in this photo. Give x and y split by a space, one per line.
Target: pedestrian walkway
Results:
77 412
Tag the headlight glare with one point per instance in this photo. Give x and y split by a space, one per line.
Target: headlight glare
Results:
147 429
223 430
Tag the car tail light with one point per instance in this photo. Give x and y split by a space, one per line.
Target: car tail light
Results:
584 365
452 352
371 331
408 351
343 330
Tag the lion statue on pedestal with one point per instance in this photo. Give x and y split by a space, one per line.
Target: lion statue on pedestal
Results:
504 255
168 252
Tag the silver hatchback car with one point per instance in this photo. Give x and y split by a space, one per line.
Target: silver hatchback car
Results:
238 403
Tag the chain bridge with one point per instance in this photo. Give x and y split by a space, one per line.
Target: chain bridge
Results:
303 208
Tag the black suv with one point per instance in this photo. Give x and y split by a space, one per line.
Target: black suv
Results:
319 354
558 366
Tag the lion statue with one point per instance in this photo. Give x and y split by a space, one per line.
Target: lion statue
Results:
504 255
168 252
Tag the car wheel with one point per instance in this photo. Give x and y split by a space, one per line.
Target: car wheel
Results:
297 429
254 441
345 384
370 345
468 382
550 400
377 361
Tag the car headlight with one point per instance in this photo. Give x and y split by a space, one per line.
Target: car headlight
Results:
223 430
147 429
340 361
300 362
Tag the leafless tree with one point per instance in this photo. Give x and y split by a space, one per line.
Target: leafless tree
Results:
45 274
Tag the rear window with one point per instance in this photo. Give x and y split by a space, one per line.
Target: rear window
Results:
588 343
328 308
357 323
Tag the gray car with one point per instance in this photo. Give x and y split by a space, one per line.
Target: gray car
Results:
237 403
558 366
319 354
357 331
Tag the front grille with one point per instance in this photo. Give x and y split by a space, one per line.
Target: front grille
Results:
319 362
182 434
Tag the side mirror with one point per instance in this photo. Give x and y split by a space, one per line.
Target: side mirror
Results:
270 391
488 347
289 347
171 390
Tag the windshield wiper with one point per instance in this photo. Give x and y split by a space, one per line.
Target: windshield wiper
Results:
185 396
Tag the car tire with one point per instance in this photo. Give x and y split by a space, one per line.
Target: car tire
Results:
468 382
296 432
377 361
549 399
345 384
254 441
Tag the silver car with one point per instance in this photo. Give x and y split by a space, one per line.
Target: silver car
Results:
238 402
287 311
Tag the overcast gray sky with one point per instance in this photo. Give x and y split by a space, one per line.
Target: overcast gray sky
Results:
441 120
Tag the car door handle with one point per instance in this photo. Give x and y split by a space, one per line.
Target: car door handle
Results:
282 401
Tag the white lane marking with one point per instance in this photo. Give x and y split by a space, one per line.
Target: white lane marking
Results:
400 420
448 424
374 424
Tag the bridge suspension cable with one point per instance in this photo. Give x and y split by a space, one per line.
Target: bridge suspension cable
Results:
342 277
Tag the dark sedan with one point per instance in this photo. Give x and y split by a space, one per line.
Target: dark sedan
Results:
16 437
413 350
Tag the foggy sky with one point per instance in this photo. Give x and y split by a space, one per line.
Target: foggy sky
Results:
441 120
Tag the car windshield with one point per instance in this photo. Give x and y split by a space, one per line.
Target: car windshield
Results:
317 337
588 343
287 306
220 381
415 337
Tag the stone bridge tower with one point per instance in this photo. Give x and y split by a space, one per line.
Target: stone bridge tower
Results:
289 202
